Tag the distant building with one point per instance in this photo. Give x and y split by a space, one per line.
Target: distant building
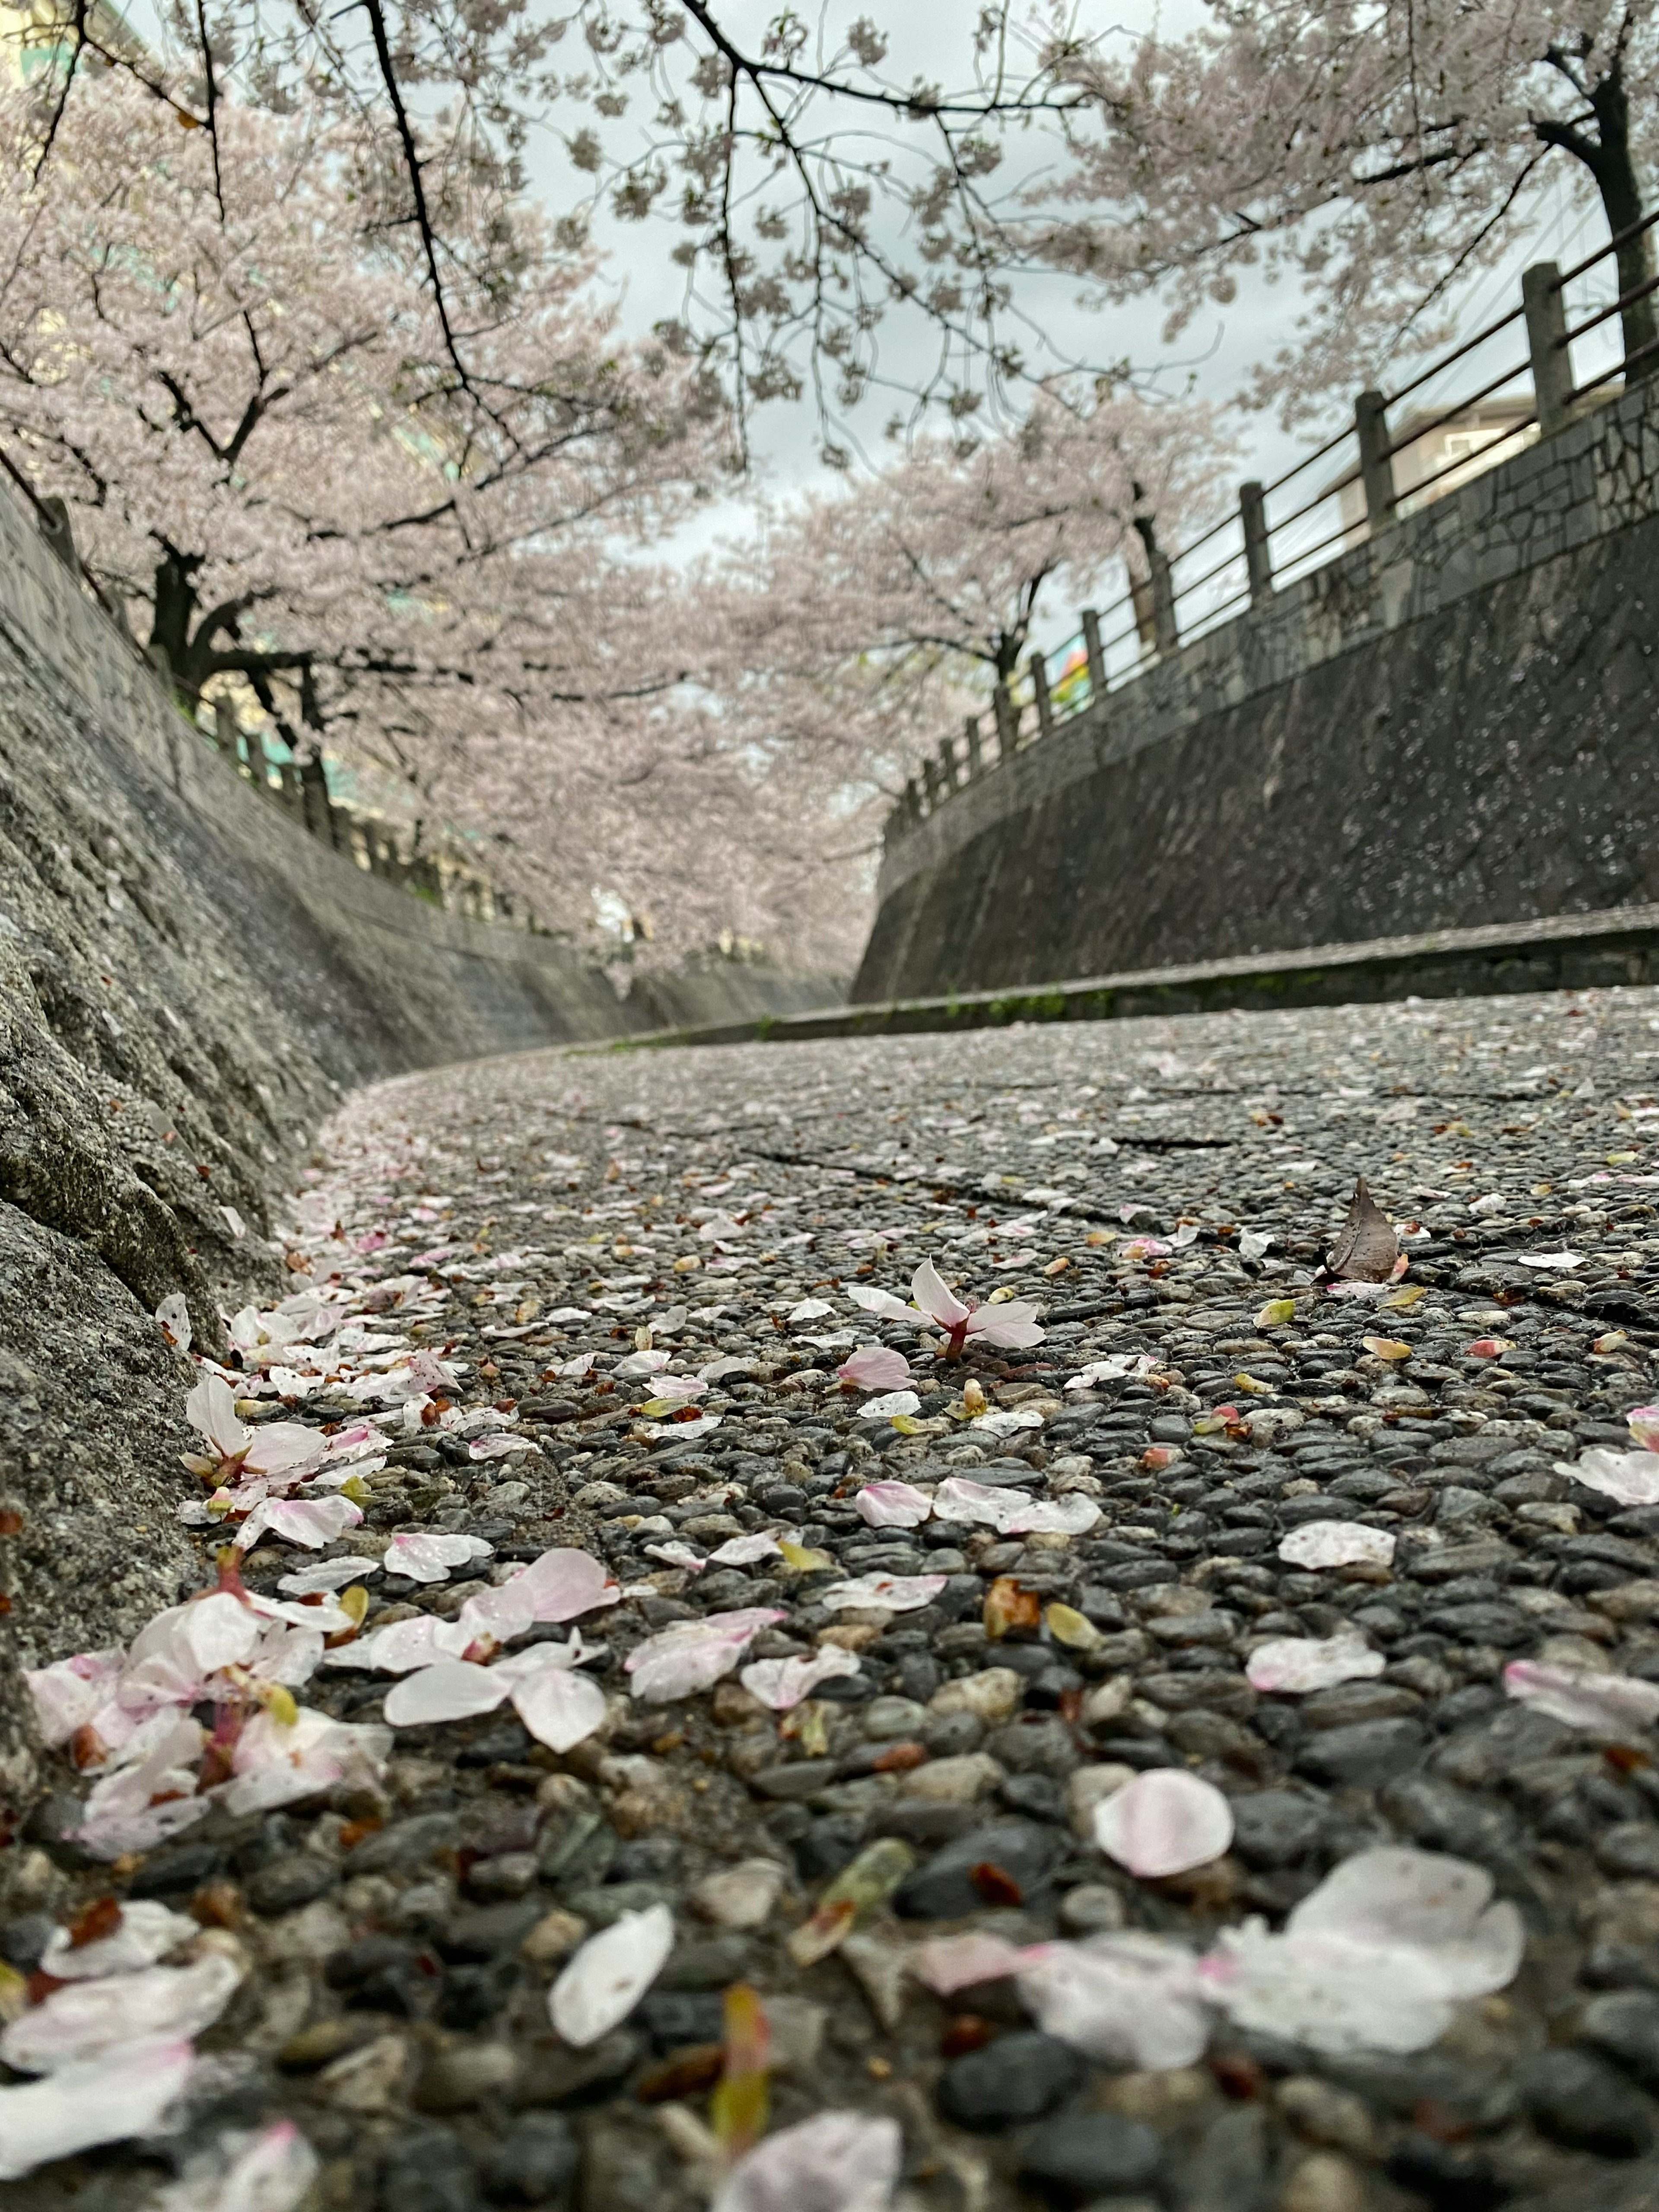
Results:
1477 438
38 36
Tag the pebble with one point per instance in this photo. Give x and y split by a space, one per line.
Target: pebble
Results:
402 1968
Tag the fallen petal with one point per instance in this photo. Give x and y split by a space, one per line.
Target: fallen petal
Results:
1337 1544
1164 1822
1296 1664
610 1974
124 2092
834 2162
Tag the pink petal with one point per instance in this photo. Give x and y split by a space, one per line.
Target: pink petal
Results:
949 1963
1014 1324
212 1410
873 1367
1610 1704
68 1694
880 1301
834 2162
781 1683
565 1584
610 1974
453 1689
957 1498
122 2092
927 1288
1644 1426
276 1763
693 1655
892 1505
1164 1822
312 1521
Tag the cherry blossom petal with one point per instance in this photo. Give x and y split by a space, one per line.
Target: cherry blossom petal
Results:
1375 1958
781 1683
693 1655
1300 1663
326 1575
560 1708
928 1289
810 1310
834 2162
957 1499
744 1550
123 1814
1607 1705
68 1694
610 1974
276 1763
453 1689
1121 1999
1337 1544
211 1411
1631 1477
269 2169
404 1645
311 1521
677 1555
889 1405
123 2092
84 2018
1644 1426
892 1505
949 1963
428 1559
284 1448
147 1932
873 1367
1073 1515
564 1584
1012 1325
880 1301
1164 1822
888 1593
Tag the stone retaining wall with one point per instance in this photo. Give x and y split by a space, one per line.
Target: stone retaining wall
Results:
1449 726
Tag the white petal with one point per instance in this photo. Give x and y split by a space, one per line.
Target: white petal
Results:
1631 1477
559 1709
1124 2000
781 1683
85 2018
610 1974
834 2162
892 1505
123 2092
453 1689
1300 1663
927 1288
1336 1544
891 1593
1164 1822
148 1932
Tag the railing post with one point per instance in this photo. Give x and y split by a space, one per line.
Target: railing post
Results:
1370 422
1165 634
911 802
1546 342
1095 654
224 726
1007 721
1258 554
930 782
947 764
1045 710
971 732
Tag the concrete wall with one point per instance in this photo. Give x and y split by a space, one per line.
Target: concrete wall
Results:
187 982
1450 725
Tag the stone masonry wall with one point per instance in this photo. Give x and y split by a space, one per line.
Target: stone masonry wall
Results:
1452 725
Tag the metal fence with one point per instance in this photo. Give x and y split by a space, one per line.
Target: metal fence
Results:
1357 482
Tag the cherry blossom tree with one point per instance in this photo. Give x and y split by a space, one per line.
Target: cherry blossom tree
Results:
240 388
814 188
870 617
1380 150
